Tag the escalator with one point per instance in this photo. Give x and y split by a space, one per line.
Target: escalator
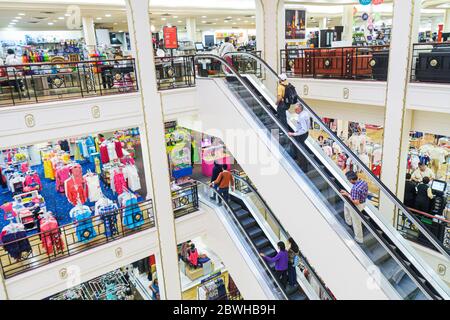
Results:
260 241
407 273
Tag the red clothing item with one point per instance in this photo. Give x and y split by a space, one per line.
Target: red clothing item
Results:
31 179
118 146
119 182
193 257
50 235
104 154
75 191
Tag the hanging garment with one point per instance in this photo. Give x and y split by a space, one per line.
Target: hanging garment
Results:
75 192
64 144
85 230
51 235
119 182
130 173
48 170
94 190
15 241
104 154
97 163
77 155
62 174
118 148
108 210
111 151
132 214
32 180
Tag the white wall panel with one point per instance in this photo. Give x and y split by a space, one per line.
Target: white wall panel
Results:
429 97
431 122
179 102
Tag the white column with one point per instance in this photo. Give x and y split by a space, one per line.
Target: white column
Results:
398 78
435 21
447 20
323 23
270 30
191 29
347 23
89 33
139 27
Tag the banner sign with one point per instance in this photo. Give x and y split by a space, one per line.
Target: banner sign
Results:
170 37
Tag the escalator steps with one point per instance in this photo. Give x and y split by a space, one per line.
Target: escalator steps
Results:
241 214
248 222
254 232
261 242
269 251
234 206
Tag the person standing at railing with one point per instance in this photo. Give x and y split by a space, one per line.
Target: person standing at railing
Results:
358 195
424 196
301 132
281 263
225 180
12 60
226 47
215 174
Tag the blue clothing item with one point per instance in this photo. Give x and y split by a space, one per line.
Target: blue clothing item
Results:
15 248
108 214
155 291
281 260
85 230
132 214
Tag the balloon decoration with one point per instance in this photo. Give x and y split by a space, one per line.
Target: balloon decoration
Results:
376 2
365 2
365 16
355 11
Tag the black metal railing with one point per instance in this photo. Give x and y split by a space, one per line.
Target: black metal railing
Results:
175 72
351 63
185 200
431 62
52 81
246 65
438 226
77 237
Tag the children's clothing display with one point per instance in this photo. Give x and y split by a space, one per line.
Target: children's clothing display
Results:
131 175
75 191
51 235
92 182
15 241
213 290
107 210
132 214
85 230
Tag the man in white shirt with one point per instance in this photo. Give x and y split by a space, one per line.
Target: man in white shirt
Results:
225 48
422 172
302 124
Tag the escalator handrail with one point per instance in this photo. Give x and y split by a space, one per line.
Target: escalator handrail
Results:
231 212
285 233
361 165
332 184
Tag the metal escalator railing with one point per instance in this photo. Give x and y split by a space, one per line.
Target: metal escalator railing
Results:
204 190
432 287
246 187
398 205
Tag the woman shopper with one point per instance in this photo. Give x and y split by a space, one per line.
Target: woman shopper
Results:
294 259
281 263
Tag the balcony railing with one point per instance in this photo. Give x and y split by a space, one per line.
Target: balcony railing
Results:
46 82
175 72
431 62
185 200
351 63
77 237
438 226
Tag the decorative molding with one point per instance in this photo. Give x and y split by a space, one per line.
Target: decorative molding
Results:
63 274
30 121
95 110
305 89
346 93
118 252
441 269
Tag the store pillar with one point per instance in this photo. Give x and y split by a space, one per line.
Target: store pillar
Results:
347 23
447 20
89 33
191 29
395 114
139 27
270 30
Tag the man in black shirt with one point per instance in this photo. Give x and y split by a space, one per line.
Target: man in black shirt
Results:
410 192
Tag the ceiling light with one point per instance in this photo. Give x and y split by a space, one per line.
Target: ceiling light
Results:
152 28
120 30
107 15
246 21
50 23
217 19
18 18
253 17
203 21
99 18
15 20
67 14
226 21
61 18
115 23
180 21
21 14
238 19
234 22
163 19
229 17
175 17
204 17
12 23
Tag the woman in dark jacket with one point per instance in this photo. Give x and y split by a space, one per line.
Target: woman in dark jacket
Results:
215 174
424 195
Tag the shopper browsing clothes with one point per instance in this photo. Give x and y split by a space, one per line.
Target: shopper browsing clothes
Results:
410 192
301 132
358 195
281 263
421 172
424 195
225 180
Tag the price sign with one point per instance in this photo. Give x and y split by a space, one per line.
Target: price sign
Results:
170 37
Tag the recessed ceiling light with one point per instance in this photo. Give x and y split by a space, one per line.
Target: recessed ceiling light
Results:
21 14
163 19
67 14
204 17
229 17
234 22
14 20
99 18
214 23
18 18
180 21
120 30
61 18
203 21
246 21
217 19
238 19
175 17
50 23
107 15
253 17
115 23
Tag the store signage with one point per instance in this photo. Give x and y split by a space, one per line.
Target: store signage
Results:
170 37
375 2
365 2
